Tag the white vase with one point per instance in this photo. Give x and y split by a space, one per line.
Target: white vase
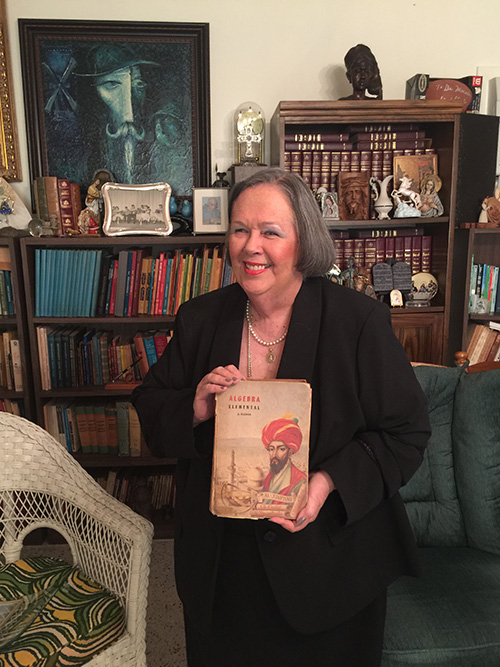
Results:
383 203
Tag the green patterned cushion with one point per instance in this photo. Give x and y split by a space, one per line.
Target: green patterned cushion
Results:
431 494
53 614
476 435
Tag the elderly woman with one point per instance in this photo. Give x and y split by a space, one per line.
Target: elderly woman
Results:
310 591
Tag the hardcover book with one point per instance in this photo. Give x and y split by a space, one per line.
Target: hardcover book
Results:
261 450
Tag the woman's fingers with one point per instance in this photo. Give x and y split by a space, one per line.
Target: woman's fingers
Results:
320 486
215 382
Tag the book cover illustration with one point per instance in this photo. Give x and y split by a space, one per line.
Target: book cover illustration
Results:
261 449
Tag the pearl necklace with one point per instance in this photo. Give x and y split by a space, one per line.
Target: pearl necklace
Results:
270 356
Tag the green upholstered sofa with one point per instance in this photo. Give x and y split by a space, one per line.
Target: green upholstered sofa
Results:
451 614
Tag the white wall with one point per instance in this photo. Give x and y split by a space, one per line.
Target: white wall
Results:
272 50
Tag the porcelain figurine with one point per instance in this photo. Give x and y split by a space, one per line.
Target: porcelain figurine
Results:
383 204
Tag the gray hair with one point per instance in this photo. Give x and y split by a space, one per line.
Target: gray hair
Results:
316 246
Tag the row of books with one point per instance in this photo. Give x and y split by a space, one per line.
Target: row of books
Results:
484 344
78 357
124 485
321 168
359 137
7 306
135 283
13 406
6 294
59 202
89 283
413 249
319 157
66 282
484 293
95 427
11 376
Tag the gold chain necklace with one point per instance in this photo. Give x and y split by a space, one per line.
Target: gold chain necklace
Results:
270 356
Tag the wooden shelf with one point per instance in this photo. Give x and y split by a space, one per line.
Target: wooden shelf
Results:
126 241
386 224
112 461
111 320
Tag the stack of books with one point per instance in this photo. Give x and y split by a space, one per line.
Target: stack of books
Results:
11 376
134 283
484 344
66 282
122 484
59 202
13 406
409 245
6 294
89 283
484 293
319 157
92 426
79 357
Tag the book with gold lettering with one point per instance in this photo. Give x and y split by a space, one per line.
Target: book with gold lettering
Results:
261 449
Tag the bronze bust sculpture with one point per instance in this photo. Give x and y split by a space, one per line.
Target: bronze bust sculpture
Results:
363 73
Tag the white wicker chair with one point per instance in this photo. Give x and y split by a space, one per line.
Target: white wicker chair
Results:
42 485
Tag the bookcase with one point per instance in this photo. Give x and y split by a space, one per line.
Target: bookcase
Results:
16 385
479 246
75 370
424 332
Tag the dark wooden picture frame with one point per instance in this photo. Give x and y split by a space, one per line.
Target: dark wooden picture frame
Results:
132 98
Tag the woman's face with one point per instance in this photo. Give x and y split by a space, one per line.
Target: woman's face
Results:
263 242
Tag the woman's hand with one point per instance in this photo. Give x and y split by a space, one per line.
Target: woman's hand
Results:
320 487
213 383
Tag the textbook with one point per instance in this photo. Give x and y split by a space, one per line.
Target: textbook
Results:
261 449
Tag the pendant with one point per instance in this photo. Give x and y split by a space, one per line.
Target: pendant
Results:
270 356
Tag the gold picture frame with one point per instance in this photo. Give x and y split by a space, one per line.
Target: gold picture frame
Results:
136 209
10 165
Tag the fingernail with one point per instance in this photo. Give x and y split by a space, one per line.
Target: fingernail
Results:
234 379
228 379
300 521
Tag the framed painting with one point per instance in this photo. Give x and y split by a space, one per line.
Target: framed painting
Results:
210 213
415 168
136 209
10 165
131 98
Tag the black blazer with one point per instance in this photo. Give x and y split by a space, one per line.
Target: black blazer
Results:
369 428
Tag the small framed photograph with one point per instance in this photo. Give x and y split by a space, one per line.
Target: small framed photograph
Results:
136 209
210 210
